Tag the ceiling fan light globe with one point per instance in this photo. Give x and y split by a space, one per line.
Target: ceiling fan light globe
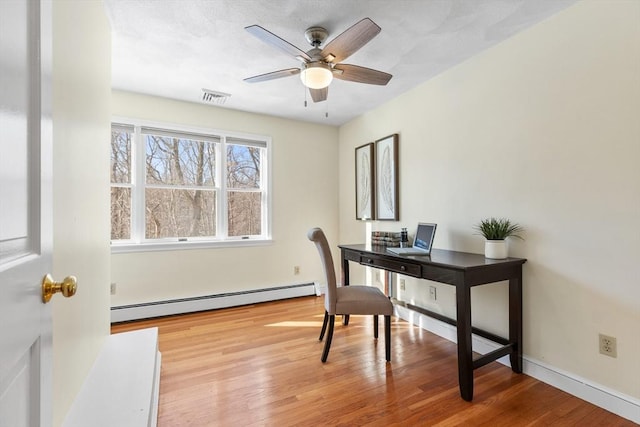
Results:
316 76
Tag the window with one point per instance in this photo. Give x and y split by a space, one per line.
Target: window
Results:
176 187
121 180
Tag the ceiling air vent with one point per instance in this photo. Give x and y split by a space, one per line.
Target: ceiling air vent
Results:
213 97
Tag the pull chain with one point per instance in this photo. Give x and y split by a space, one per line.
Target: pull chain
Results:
326 113
305 90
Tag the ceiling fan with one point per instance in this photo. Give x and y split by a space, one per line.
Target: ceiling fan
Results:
320 66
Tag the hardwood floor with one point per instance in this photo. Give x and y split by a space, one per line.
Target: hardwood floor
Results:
259 365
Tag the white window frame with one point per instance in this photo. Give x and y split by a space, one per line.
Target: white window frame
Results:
138 242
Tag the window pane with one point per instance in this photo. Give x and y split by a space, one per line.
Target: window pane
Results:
175 161
120 213
245 213
243 166
120 156
179 213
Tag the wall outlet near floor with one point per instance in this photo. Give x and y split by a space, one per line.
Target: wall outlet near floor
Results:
432 293
402 285
113 289
608 346
296 269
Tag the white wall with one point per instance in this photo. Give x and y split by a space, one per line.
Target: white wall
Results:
543 129
81 118
304 194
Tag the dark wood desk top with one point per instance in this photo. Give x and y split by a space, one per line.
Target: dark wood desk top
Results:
462 270
439 257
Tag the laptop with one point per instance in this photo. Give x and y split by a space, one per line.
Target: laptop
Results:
421 242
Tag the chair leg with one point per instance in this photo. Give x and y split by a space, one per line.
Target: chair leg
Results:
375 326
387 337
345 319
327 343
324 325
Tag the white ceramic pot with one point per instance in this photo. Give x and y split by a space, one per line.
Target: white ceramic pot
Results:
495 249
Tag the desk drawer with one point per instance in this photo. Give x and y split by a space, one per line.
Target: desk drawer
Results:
401 267
352 256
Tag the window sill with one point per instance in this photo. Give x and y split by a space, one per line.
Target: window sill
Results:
120 248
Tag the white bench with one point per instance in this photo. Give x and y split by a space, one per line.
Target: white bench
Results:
122 387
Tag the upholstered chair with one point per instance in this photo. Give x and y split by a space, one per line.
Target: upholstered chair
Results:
346 300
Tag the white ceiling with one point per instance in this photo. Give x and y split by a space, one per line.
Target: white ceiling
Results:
175 48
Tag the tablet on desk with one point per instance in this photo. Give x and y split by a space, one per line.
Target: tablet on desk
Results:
421 242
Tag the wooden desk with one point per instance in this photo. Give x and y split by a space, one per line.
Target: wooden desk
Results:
462 270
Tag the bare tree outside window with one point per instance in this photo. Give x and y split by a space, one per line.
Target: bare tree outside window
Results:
171 210
244 196
121 184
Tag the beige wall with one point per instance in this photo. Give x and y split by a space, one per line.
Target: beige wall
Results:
81 116
304 184
544 129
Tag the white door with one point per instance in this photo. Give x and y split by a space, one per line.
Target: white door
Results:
25 212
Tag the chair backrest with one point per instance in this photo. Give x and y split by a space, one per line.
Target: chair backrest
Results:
316 235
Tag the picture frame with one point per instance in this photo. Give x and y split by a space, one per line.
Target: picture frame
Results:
365 184
386 178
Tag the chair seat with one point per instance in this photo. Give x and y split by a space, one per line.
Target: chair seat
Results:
362 300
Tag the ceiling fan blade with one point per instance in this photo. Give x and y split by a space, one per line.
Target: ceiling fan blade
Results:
277 42
273 75
319 95
356 73
350 41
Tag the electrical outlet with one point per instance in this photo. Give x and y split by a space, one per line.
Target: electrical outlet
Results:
608 346
296 269
432 293
113 289
402 286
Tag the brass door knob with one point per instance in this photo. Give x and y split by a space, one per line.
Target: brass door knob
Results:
67 287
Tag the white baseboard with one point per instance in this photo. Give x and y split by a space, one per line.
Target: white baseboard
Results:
597 394
122 388
208 302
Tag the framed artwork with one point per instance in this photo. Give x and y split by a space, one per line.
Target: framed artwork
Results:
386 176
365 194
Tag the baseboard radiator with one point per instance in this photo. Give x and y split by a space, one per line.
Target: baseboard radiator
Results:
208 302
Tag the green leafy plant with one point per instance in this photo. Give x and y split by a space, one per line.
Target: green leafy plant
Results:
498 229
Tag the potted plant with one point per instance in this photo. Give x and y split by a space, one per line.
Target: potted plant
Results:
495 231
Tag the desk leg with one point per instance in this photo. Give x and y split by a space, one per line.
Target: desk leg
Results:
345 270
345 282
388 284
515 321
465 350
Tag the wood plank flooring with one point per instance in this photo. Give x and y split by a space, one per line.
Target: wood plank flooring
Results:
259 365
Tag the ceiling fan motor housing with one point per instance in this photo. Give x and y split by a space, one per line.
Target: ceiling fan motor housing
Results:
316 35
